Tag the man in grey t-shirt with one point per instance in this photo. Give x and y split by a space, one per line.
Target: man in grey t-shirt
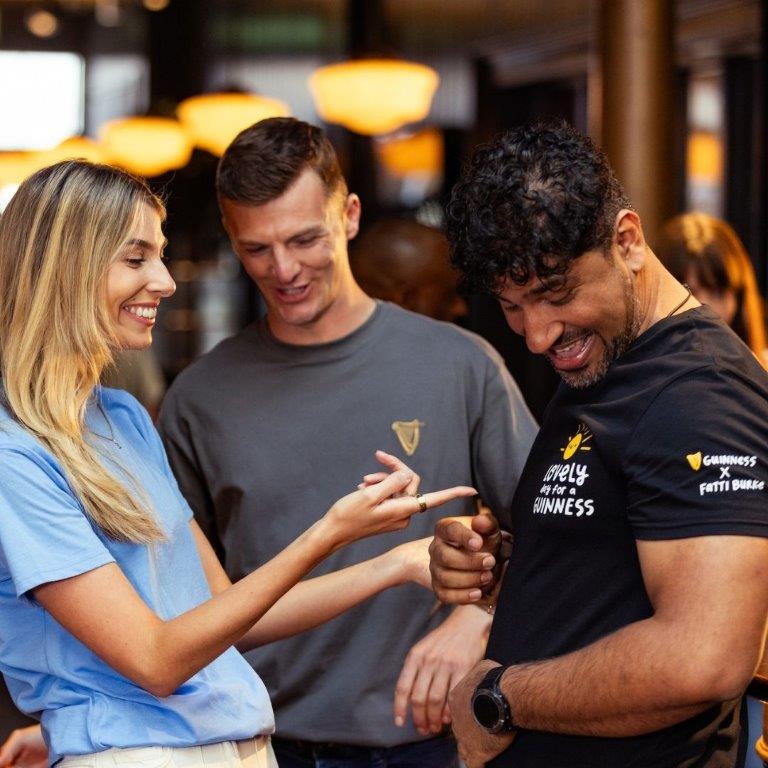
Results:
276 422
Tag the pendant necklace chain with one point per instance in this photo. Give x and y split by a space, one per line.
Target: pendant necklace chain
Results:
682 303
111 436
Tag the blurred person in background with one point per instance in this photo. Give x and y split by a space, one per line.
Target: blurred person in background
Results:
705 253
407 263
117 621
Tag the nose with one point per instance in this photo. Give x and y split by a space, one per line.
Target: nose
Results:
284 267
540 331
161 283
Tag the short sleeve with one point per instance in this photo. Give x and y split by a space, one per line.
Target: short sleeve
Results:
44 533
502 435
696 463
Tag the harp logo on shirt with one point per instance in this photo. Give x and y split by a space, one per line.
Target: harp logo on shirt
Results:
694 459
408 433
577 442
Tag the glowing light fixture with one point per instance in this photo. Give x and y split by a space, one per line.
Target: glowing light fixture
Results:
16 166
42 24
74 148
373 96
214 119
705 156
146 146
420 154
156 5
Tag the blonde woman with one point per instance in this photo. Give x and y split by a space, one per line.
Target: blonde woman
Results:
705 253
117 623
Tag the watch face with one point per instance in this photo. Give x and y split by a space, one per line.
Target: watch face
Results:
486 710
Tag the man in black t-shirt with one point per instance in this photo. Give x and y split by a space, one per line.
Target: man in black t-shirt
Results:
632 613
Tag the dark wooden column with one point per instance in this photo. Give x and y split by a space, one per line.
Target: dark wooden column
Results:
637 76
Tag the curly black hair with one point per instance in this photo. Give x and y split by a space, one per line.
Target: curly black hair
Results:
528 203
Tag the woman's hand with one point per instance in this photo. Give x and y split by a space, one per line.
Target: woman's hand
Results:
412 561
384 505
24 748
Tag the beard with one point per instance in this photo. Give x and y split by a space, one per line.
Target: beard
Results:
612 348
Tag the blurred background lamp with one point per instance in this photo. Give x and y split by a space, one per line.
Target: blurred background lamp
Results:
214 119
146 146
16 166
156 5
42 24
373 96
74 148
705 156
420 154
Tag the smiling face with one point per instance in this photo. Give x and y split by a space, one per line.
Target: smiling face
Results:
295 249
137 279
581 321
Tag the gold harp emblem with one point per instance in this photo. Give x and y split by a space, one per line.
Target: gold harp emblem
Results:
408 433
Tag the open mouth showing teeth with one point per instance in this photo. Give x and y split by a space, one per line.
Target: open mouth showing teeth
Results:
573 354
148 313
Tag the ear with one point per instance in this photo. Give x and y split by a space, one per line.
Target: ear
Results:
352 215
630 240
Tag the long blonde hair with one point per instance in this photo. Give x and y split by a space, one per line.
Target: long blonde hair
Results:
58 235
710 247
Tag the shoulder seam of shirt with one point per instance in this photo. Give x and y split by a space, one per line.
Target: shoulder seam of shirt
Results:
661 391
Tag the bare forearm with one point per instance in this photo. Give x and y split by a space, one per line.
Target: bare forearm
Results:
186 644
641 678
315 601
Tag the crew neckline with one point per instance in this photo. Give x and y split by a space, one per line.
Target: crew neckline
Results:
266 336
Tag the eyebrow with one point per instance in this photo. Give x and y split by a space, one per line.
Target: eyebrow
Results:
145 244
544 287
316 229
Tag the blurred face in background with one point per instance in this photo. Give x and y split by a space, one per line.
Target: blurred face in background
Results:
722 301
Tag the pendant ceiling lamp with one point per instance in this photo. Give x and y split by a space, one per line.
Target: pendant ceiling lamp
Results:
373 96
214 119
74 148
420 154
146 146
16 166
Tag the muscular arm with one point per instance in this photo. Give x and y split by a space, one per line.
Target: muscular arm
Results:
701 646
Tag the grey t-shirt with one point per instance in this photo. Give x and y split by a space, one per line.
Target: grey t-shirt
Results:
264 436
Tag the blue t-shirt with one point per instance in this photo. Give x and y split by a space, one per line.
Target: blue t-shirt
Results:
84 705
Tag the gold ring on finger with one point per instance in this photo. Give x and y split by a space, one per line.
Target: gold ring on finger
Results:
422 502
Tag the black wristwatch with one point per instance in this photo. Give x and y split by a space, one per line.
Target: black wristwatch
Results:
489 705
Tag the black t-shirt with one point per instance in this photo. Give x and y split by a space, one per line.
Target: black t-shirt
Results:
670 444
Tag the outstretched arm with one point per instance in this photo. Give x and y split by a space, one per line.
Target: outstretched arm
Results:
315 601
160 655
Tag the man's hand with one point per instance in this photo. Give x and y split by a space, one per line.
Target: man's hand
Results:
465 557
476 745
24 748
436 663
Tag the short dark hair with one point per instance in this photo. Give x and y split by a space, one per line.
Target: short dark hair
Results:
528 203
265 159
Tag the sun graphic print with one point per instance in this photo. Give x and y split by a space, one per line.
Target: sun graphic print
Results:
577 442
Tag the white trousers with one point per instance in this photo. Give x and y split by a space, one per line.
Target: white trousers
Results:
250 753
